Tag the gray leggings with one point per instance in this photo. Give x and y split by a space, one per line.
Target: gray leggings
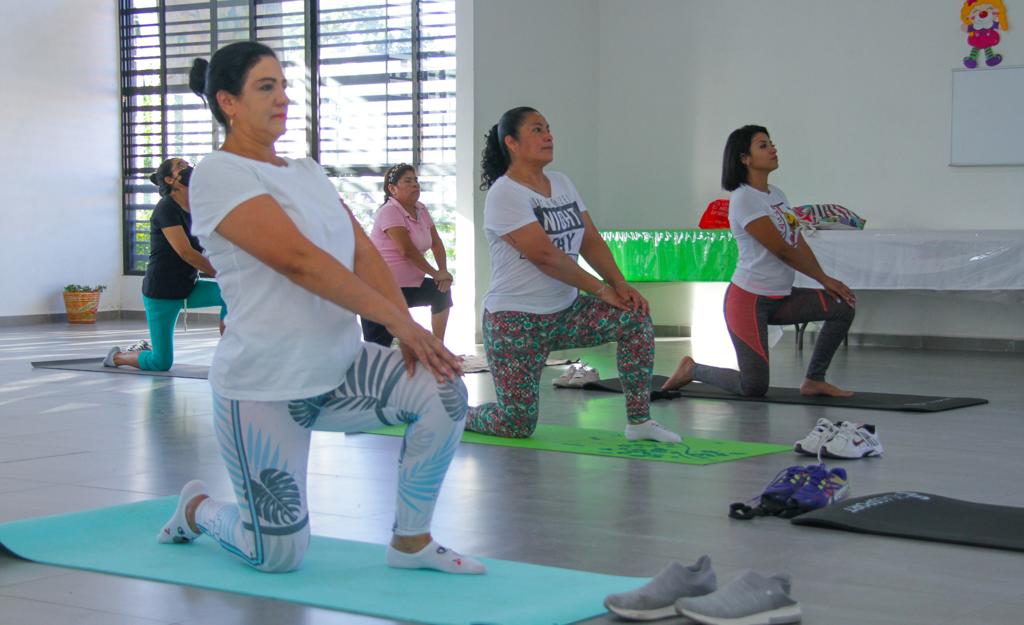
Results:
748 315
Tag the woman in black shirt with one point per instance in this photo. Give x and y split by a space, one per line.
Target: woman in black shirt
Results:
172 275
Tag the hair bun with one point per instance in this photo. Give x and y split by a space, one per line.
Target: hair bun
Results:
197 77
153 178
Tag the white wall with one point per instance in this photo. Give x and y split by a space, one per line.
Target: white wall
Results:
60 124
856 94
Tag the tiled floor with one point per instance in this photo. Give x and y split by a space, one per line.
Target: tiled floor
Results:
71 441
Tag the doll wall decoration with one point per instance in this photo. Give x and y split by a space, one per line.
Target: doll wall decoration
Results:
982 20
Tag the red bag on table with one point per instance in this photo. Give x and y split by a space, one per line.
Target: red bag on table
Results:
716 215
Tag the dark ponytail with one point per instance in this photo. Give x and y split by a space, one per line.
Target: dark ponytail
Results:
495 158
225 71
163 171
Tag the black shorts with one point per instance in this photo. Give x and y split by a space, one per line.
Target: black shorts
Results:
426 294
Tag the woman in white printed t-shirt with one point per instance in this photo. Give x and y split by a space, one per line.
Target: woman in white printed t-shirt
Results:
296 269
761 293
537 226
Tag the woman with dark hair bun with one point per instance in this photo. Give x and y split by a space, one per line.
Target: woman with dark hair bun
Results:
762 292
402 232
172 273
296 269
537 226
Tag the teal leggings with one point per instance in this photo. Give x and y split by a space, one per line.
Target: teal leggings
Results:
162 316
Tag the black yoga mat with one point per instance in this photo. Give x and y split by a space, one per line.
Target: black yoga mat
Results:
779 395
924 516
180 370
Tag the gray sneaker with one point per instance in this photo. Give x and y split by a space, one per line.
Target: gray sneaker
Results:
750 599
109 360
656 599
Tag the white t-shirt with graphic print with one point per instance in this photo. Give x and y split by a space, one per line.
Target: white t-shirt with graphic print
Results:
758 270
516 283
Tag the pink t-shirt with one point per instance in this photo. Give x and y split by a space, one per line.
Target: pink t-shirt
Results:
392 215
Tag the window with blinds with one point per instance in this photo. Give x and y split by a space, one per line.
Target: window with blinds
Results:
372 84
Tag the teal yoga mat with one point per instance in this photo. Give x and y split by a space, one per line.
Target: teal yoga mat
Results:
337 574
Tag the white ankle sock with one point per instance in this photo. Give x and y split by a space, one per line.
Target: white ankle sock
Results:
436 557
177 530
651 430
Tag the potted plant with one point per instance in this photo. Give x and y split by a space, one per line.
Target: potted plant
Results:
82 302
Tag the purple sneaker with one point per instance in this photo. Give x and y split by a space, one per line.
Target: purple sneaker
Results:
786 483
970 63
994 60
823 487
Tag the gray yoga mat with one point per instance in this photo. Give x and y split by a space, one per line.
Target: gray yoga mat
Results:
179 370
779 395
923 516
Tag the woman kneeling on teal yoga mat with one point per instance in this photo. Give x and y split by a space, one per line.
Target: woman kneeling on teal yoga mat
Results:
296 269
172 274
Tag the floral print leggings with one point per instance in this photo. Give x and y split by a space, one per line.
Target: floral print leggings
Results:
518 344
265 445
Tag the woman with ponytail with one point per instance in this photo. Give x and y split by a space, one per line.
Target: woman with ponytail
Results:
537 226
296 269
172 274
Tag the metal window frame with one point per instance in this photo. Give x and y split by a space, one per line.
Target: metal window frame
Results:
311 10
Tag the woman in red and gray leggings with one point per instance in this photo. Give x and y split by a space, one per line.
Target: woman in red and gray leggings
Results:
771 250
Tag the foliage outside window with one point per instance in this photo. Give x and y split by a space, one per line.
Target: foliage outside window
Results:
372 84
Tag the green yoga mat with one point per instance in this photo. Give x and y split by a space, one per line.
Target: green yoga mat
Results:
336 574
593 442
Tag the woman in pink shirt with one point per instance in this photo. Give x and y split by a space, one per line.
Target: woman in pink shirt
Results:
402 232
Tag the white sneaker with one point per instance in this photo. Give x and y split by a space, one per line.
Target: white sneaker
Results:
562 381
821 434
583 375
853 440
142 345
651 430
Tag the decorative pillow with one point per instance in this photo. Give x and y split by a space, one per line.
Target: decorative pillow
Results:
828 217
716 215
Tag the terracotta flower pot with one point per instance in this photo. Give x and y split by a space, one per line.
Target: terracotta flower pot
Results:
82 306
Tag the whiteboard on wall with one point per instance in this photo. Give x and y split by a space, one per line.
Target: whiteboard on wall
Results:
988 117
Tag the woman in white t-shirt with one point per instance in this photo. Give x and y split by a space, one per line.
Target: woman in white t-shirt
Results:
295 270
761 292
537 226
403 231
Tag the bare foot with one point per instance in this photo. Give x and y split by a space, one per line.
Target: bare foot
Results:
410 544
811 388
682 376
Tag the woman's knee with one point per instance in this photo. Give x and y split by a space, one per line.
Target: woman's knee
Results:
757 388
283 554
454 397
156 361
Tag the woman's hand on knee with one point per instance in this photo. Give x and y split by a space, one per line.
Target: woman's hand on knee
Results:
419 345
839 291
632 298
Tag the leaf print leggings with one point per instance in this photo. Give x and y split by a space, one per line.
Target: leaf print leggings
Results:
518 344
265 446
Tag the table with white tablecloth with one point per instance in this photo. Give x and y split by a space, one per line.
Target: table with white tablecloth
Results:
929 260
